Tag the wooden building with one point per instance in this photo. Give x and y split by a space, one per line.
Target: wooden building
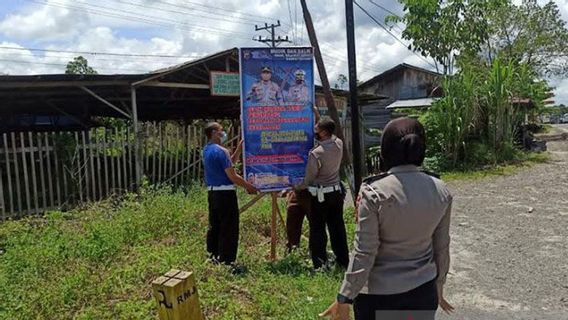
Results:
405 85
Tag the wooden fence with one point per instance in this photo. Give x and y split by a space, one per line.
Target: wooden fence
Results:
42 171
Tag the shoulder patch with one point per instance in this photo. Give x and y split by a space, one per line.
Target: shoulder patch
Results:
432 174
372 179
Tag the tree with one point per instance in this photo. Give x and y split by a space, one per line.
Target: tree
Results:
445 29
79 65
341 81
530 33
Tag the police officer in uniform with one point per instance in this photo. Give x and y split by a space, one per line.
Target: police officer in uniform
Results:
401 256
221 178
299 92
323 183
265 91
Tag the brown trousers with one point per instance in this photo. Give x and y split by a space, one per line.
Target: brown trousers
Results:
298 207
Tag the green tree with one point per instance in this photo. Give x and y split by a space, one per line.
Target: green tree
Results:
445 29
529 33
79 65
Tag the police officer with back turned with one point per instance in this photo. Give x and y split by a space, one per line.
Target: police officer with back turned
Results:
323 183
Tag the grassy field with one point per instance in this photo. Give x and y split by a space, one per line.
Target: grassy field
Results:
98 262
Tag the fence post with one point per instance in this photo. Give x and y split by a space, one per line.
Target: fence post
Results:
137 148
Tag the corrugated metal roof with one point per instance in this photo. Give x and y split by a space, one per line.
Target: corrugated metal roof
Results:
412 103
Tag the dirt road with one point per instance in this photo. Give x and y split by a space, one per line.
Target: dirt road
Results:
510 243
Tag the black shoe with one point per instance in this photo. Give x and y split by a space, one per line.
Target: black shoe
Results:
238 270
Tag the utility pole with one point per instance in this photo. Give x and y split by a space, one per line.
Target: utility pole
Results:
355 118
272 42
329 101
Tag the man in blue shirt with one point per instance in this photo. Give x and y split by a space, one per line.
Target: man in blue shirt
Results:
221 178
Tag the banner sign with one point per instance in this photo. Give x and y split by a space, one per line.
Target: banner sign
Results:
277 97
225 83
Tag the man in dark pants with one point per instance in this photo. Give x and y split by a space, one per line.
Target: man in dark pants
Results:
221 178
324 185
298 204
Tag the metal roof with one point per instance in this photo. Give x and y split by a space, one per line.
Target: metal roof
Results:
394 69
412 103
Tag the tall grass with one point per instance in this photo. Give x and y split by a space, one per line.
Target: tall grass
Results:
475 123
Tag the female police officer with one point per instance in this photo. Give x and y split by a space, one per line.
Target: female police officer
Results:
401 257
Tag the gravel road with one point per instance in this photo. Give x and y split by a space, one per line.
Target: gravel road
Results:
510 243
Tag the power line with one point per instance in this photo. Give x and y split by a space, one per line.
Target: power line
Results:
384 8
262 18
389 11
157 18
391 34
99 53
291 21
68 57
136 18
217 18
65 65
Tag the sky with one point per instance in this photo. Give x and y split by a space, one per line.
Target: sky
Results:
182 30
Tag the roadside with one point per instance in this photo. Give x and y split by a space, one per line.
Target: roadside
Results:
510 242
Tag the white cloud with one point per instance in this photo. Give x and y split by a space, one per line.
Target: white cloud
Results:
561 91
44 23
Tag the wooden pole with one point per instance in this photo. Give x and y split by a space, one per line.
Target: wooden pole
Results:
252 202
138 153
346 161
355 120
328 95
273 235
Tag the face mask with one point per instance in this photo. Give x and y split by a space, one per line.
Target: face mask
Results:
317 136
223 137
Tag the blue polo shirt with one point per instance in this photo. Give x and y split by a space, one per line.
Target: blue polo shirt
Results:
215 160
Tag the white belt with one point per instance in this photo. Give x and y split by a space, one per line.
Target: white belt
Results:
222 188
320 191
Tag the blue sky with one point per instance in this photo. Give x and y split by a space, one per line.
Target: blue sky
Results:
190 28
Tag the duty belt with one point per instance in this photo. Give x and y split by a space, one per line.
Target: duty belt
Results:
320 191
222 188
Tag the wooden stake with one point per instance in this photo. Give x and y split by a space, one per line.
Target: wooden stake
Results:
252 202
41 171
9 173
17 174
33 172
273 235
26 174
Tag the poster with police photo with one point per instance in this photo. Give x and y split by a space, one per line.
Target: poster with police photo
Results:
277 97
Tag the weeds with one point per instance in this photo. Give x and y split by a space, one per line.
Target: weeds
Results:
98 262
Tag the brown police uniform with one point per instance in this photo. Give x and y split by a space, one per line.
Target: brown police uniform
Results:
323 183
401 249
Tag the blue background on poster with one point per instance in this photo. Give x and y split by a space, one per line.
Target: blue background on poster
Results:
284 64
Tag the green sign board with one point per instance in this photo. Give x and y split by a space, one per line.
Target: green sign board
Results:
225 84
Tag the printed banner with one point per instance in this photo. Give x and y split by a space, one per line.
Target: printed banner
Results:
277 97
